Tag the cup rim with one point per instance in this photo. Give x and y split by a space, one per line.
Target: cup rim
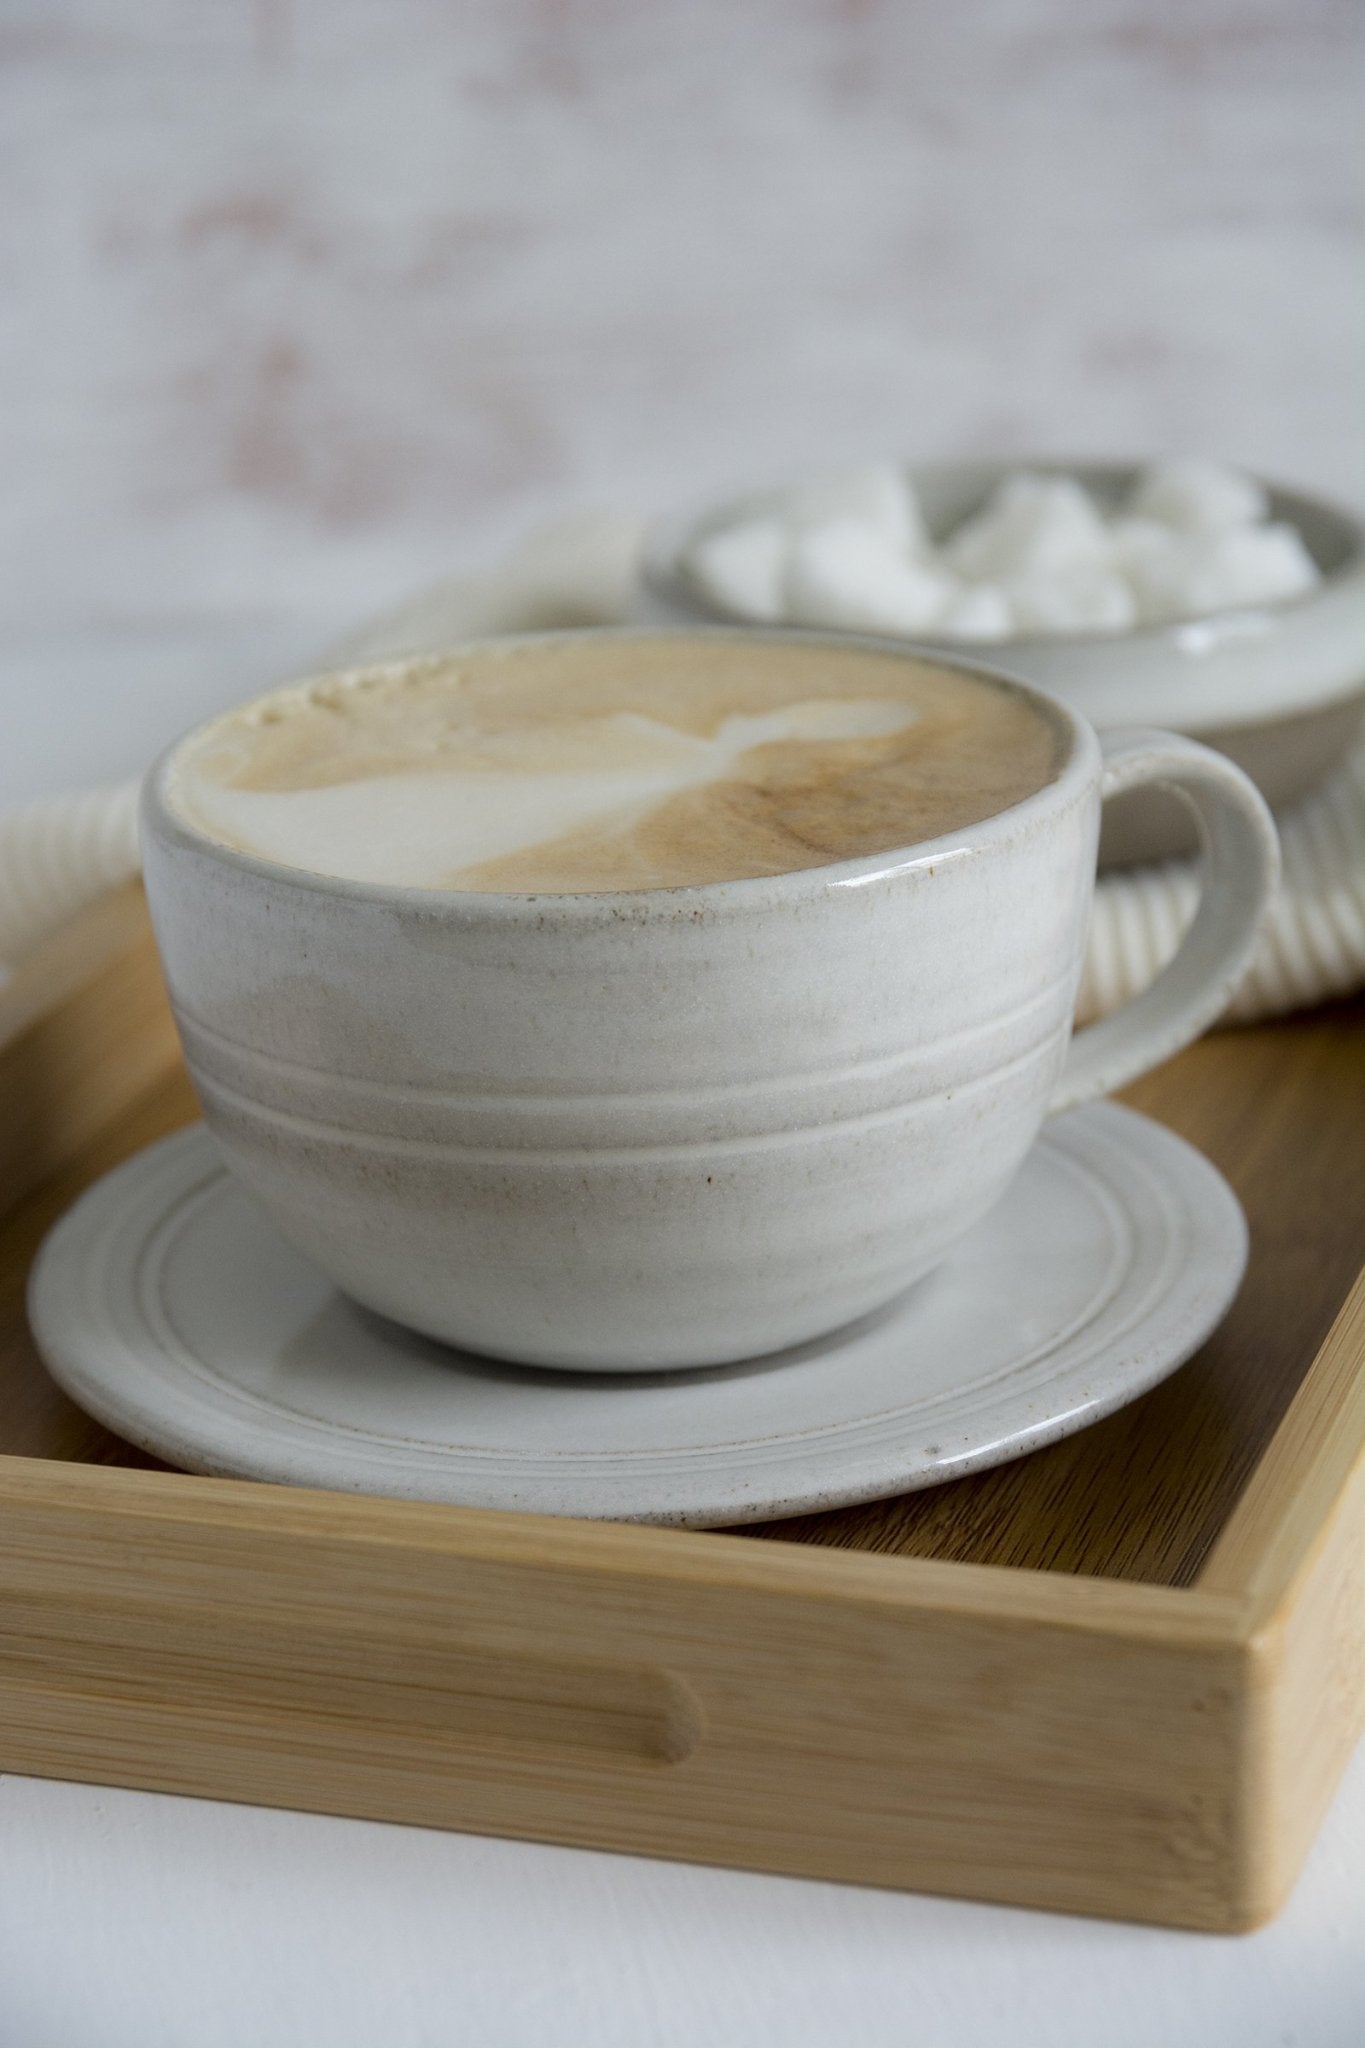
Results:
661 572
1079 768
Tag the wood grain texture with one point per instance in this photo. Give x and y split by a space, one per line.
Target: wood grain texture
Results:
1143 1495
1280 1109
861 1717
845 1704
1293 1552
84 1026
90 1072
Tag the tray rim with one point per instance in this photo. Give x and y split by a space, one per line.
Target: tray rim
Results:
1257 1561
1297 1526
1253 1561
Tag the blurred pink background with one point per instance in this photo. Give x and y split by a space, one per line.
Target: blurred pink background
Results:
306 303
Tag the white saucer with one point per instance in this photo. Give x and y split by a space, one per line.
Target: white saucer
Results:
170 1307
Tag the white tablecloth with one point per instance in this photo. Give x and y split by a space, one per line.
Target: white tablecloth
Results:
129 1920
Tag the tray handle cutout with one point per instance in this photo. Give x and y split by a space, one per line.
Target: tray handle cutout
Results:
431 1706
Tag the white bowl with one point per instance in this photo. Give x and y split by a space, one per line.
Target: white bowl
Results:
1279 687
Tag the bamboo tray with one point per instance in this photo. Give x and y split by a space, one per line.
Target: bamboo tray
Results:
1121 1676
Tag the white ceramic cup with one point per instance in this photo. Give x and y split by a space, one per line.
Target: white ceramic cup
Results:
680 1126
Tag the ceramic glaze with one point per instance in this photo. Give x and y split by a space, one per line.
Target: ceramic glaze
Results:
679 1127
167 1305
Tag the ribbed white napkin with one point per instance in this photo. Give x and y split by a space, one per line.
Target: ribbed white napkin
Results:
56 856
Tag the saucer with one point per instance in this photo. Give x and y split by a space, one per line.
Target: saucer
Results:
170 1307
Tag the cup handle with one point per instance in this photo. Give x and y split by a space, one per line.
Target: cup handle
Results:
1241 865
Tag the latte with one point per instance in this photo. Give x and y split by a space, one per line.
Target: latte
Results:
608 764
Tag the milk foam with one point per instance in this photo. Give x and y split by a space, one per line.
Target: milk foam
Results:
424 830
609 763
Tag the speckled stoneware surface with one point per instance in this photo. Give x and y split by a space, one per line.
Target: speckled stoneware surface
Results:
169 1306
675 1127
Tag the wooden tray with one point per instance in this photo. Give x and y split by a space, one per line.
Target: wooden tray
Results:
1121 1676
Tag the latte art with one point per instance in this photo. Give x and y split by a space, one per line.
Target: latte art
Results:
551 767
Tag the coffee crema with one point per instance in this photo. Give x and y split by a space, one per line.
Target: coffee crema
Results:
600 765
